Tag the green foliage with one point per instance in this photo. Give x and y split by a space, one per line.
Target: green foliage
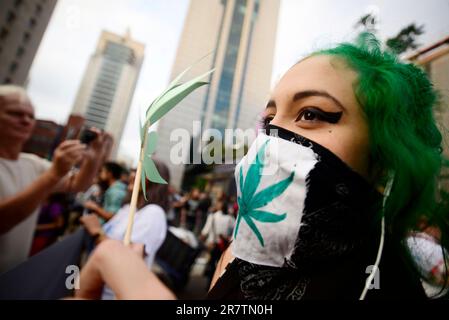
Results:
406 38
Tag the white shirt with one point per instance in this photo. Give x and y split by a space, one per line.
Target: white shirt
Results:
429 258
218 224
15 176
150 229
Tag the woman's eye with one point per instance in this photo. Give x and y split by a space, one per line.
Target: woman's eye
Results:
315 114
309 115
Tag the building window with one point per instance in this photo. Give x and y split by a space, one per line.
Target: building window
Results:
20 52
13 67
32 23
26 37
10 17
223 99
4 33
38 9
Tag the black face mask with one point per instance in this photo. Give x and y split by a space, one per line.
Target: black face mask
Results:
340 212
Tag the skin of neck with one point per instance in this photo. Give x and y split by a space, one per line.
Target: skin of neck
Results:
10 150
111 181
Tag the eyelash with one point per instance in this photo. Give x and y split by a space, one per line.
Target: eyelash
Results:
264 121
330 117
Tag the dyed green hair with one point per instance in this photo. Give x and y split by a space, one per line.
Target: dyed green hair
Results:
398 101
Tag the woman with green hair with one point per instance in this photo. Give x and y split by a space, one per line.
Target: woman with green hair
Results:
345 170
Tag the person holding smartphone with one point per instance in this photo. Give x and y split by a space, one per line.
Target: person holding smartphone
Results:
27 180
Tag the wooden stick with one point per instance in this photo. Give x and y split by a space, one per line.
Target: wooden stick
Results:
133 204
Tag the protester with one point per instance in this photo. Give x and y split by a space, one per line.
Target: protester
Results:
204 205
150 222
27 180
192 209
173 216
110 174
94 193
50 223
217 233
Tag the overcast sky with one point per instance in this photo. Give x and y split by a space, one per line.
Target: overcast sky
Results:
304 26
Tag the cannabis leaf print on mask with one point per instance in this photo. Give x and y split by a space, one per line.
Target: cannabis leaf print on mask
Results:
249 202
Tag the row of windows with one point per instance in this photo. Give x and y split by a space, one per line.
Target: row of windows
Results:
102 97
111 67
91 116
113 75
5 31
119 53
98 107
11 17
99 114
101 91
108 81
106 84
222 102
105 105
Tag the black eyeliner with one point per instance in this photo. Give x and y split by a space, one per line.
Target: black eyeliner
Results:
331 117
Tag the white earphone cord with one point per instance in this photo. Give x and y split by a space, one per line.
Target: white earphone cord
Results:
381 242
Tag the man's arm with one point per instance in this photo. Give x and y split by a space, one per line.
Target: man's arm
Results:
90 205
16 209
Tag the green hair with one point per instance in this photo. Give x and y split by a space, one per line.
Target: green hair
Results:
398 101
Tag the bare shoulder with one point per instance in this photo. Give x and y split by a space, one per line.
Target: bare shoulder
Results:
225 259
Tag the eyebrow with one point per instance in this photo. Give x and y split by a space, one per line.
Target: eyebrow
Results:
310 93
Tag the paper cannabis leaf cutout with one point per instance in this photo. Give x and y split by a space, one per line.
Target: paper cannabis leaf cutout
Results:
158 108
249 202
165 102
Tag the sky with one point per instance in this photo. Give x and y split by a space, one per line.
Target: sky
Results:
304 26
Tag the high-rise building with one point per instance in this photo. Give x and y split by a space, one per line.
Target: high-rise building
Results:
22 26
242 36
106 91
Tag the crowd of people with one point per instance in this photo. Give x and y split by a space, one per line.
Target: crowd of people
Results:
41 201
340 207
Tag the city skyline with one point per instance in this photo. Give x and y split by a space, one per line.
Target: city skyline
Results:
75 27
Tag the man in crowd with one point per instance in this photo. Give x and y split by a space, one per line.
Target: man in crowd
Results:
113 198
27 180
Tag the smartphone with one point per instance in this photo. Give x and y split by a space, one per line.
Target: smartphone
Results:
87 136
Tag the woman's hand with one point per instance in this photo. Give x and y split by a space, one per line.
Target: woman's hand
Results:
91 205
124 271
91 223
